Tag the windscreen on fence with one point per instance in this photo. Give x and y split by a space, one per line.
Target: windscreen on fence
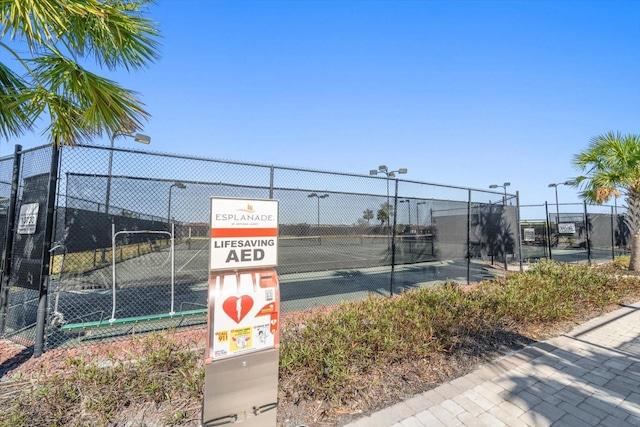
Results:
573 233
21 302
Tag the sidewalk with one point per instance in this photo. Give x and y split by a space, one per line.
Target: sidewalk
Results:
588 377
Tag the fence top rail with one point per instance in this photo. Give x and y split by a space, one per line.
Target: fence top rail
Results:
282 167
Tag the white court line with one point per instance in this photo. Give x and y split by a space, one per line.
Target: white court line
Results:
321 250
332 251
190 259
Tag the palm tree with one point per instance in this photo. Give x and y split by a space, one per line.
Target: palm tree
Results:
384 213
611 164
49 41
367 215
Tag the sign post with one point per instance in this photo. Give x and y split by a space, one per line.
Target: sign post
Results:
242 353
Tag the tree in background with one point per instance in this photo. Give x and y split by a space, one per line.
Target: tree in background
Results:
42 74
367 215
611 164
384 213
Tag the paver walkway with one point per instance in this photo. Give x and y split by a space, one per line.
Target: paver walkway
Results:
588 377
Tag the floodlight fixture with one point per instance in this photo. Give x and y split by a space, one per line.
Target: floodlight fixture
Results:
318 196
142 138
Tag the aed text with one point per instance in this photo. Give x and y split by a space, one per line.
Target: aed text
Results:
248 243
245 255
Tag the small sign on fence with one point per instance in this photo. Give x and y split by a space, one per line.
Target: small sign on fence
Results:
529 234
567 228
28 218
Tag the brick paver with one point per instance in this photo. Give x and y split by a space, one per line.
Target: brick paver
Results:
588 377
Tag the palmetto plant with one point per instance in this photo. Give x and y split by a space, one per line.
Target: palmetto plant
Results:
611 167
47 42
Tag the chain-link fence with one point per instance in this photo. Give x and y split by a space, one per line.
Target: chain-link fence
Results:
24 263
573 232
130 237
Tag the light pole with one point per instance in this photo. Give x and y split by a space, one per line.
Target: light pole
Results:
555 187
178 185
318 196
418 212
390 174
408 209
138 137
505 185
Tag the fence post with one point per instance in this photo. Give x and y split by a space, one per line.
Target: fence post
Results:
469 238
548 228
7 253
586 228
503 223
613 240
271 174
41 321
393 240
519 232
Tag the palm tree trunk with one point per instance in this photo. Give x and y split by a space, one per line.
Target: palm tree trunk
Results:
634 263
632 219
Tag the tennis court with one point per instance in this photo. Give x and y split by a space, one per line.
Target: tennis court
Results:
313 271
306 254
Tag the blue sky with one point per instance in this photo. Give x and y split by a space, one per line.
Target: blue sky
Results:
467 93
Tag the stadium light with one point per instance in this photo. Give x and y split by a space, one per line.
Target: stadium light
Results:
555 187
409 210
177 184
418 212
138 137
318 196
389 174
505 185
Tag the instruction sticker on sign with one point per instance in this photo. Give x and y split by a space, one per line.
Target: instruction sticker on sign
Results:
244 307
244 233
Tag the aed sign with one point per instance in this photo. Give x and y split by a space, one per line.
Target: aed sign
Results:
244 233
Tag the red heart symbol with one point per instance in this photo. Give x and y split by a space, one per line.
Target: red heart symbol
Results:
236 308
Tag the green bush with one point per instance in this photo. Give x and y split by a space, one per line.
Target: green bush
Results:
92 395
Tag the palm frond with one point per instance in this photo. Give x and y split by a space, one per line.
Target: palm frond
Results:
115 33
100 104
34 21
14 114
60 33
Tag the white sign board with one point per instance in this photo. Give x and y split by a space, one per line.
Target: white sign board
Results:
529 234
567 228
28 218
244 233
